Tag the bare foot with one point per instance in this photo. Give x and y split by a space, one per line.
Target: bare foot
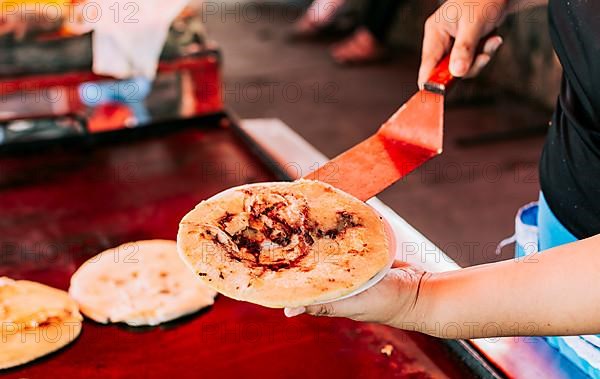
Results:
361 47
320 14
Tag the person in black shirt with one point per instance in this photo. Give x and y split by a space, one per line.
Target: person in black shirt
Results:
558 294
570 164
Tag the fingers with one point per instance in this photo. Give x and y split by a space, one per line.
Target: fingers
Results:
492 44
489 50
328 310
354 307
314 310
463 52
463 62
465 25
436 42
293 312
400 264
350 307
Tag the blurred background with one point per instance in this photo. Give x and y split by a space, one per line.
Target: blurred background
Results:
464 200
332 70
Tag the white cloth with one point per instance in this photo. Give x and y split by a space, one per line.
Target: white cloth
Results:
128 37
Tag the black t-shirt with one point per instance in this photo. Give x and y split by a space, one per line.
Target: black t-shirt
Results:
570 164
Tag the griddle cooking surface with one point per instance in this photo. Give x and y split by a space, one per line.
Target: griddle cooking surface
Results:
60 207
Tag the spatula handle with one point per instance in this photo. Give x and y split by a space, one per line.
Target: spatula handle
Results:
441 78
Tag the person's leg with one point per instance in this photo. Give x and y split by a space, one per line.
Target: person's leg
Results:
367 44
318 15
380 17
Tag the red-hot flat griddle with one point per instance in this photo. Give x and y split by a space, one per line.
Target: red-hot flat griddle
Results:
62 206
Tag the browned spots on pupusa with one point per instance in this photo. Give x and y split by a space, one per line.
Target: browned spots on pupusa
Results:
345 221
134 274
119 282
268 236
163 274
274 231
51 321
190 223
192 230
225 219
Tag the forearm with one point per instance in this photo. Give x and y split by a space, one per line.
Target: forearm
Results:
553 293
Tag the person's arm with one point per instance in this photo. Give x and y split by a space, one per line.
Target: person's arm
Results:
458 26
552 293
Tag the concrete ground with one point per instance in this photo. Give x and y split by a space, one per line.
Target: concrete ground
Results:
464 201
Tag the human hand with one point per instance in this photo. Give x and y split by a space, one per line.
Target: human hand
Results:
392 301
465 23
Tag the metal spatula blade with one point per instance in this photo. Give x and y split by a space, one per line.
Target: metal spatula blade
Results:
412 136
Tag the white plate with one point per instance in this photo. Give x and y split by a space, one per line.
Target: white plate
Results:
389 231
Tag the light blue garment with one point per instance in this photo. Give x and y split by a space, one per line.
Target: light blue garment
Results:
526 231
551 233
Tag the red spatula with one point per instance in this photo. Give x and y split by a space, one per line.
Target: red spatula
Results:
412 136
